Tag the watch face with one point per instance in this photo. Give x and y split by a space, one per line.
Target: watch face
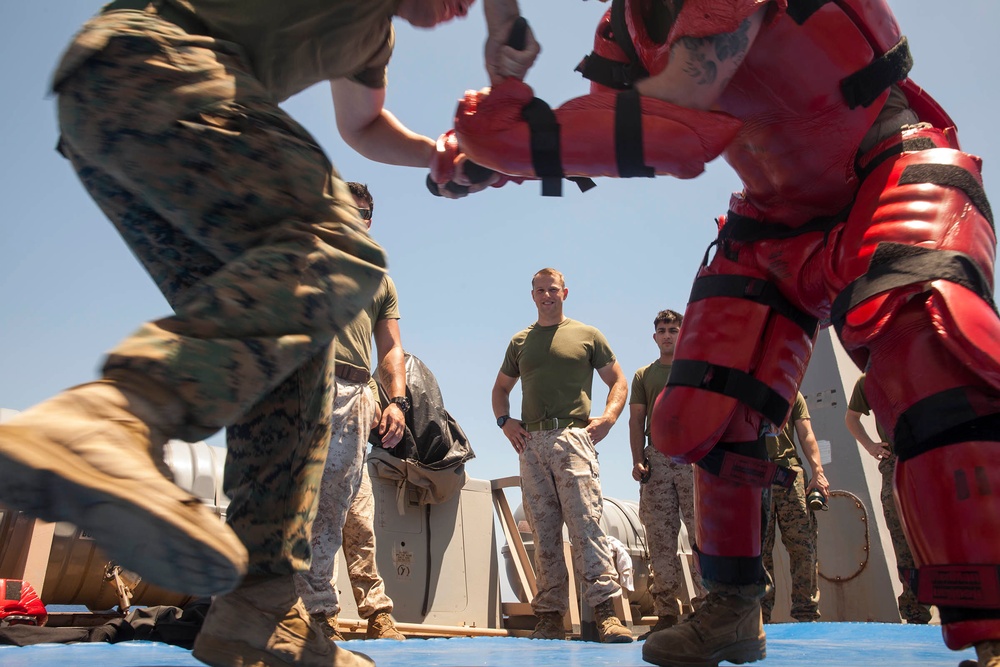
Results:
402 402
502 420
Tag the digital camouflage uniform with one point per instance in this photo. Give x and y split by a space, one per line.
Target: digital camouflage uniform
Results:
799 531
359 551
246 228
560 475
354 408
909 609
664 499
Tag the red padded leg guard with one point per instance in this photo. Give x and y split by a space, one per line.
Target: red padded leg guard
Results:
728 529
728 340
949 503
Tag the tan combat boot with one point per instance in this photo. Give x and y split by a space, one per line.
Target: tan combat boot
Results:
609 628
328 624
381 626
549 626
263 623
93 456
725 627
662 623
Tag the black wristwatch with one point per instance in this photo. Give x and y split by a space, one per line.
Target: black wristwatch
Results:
402 401
502 420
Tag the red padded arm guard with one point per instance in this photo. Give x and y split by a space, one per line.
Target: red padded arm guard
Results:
674 140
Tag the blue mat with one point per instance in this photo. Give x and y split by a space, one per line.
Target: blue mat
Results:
788 645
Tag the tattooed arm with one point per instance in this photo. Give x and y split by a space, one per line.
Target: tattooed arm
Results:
700 68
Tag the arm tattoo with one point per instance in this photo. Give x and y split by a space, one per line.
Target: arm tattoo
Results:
703 54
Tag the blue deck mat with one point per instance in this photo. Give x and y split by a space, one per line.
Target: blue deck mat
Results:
788 645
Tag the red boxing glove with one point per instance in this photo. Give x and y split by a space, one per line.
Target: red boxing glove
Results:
448 160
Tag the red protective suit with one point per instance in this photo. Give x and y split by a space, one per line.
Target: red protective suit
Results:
892 243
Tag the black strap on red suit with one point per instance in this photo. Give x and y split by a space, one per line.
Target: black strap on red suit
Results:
746 463
730 382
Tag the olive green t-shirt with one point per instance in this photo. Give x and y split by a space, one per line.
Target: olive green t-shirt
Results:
859 403
354 342
783 446
293 44
647 384
556 365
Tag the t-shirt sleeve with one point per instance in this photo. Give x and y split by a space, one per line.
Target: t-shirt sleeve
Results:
510 367
602 351
800 410
375 74
859 402
389 307
638 391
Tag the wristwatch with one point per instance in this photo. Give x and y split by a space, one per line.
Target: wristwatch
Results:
402 401
502 420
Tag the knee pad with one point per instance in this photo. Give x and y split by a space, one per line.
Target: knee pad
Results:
742 345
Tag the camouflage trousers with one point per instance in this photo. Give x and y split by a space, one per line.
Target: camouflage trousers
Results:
353 412
246 228
664 499
909 609
359 552
561 482
799 535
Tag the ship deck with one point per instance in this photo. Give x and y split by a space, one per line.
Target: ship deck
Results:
789 645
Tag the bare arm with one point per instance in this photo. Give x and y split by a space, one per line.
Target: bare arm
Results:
637 439
371 129
700 68
501 406
852 420
617 393
392 369
810 448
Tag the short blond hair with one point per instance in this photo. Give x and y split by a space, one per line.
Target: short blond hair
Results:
549 272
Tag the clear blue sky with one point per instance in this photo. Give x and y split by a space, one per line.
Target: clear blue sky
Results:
70 290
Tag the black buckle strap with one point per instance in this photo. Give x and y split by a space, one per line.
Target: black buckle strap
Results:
608 73
944 418
867 165
629 153
738 570
864 86
746 463
546 149
756 290
895 265
742 229
730 382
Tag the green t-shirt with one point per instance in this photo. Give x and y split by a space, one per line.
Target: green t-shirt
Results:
647 384
354 342
859 403
556 365
783 446
293 44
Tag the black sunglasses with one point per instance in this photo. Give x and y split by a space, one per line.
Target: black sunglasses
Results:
365 213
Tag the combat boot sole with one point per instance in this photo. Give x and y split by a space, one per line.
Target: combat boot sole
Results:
75 466
739 653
